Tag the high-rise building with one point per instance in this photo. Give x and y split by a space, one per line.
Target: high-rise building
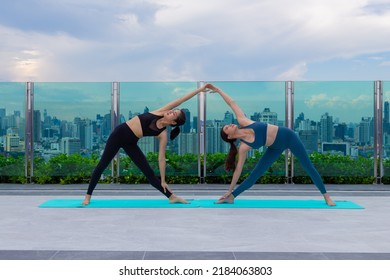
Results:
326 128
364 131
228 119
298 120
70 146
340 131
268 117
309 139
37 126
386 118
195 124
186 128
12 141
187 143
147 145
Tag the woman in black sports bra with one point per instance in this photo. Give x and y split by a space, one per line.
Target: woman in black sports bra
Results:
126 136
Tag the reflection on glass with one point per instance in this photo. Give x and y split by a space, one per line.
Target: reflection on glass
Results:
386 131
71 123
12 132
336 124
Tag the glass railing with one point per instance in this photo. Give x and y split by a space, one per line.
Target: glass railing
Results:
12 132
72 121
386 132
335 121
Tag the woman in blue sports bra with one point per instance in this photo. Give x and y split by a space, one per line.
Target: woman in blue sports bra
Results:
253 135
126 136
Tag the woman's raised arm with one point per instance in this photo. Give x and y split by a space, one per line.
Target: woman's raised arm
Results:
175 103
241 118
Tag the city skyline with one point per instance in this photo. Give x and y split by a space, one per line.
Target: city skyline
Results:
87 135
346 100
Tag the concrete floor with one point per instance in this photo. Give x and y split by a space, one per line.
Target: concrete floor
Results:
28 232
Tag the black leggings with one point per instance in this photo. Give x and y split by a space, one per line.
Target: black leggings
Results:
124 137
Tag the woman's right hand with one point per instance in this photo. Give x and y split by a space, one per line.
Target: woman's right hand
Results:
211 87
226 195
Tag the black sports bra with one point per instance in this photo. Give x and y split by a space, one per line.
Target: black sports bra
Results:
148 124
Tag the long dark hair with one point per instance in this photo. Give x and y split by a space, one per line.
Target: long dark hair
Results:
230 161
181 119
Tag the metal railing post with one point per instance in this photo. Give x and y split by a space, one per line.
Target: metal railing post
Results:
29 142
289 119
115 94
201 135
378 132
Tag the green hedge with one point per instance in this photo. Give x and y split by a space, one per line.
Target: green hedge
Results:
63 169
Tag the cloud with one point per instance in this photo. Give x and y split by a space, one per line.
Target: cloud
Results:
160 40
297 72
326 101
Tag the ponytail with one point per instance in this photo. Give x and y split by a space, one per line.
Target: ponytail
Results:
174 133
230 161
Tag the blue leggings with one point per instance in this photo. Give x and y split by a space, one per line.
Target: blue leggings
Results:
285 139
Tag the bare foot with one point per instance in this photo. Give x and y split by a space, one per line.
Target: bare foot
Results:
229 199
87 200
175 199
328 200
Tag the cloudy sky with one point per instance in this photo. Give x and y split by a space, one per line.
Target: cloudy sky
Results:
192 40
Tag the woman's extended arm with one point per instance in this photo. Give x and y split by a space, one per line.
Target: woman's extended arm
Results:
175 103
241 118
163 137
242 154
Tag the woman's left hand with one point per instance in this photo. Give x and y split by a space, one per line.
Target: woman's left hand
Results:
226 195
166 187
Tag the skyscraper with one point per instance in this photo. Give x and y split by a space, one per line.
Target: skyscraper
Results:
364 131
268 117
386 118
37 126
187 125
326 128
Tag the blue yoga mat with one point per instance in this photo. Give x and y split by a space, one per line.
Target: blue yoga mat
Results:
198 203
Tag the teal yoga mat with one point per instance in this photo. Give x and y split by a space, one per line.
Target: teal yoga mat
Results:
198 203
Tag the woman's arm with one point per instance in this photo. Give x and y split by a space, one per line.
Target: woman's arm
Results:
175 103
163 137
242 154
241 118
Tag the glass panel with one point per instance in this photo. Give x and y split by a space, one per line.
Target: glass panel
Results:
71 123
386 132
182 152
12 132
335 122
260 101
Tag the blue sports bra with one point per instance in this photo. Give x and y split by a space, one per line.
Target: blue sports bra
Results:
260 130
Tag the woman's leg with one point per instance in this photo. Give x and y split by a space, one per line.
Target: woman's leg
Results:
111 149
261 167
298 149
138 157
